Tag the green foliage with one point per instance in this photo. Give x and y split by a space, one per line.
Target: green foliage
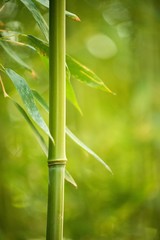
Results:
74 69
124 130
72 136
13 55
85 75
37 16
28 99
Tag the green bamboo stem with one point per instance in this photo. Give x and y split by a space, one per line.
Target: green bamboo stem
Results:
57 120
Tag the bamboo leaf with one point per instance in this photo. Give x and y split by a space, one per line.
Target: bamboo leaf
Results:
45 3
14 55
38 136
73 16
85 75
87 149
40 100
75 138
28 99
41 141
70 92
70 179
37 16
34 129
77 70
41 46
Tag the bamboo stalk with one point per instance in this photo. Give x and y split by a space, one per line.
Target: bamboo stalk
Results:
57 120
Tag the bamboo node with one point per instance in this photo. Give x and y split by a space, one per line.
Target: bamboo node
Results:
56 162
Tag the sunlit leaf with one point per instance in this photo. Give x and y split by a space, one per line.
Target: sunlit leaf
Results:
70 92
85 75
28 99
14 55
87 149
76 139
70 179
37 16
77 70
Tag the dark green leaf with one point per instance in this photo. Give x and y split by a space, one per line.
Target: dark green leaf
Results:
37 16
28 99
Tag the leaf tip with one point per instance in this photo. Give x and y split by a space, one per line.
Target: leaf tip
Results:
110 91
110 170
77 19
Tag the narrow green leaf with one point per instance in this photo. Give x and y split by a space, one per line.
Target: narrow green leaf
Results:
45 3
41 141
14 55
37 16
34 129
38 136
39 45
28 99
83 146
76 139
40 100
73 16
77 70
85 75
70 179
70 92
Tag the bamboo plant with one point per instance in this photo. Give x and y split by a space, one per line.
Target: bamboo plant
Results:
61 68
57 119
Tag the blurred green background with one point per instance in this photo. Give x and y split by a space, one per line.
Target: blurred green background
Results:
120 41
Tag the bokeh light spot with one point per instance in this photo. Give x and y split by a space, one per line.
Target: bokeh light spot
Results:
101 46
